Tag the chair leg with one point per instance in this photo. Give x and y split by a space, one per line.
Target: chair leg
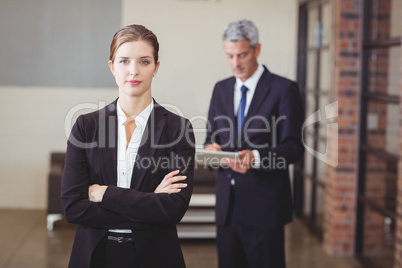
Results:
51 218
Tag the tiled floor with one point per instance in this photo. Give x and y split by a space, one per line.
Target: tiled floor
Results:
25 243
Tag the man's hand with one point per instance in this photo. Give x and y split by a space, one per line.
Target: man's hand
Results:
213 147
168 184
96 192
241 165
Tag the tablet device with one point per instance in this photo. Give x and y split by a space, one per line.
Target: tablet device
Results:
214 157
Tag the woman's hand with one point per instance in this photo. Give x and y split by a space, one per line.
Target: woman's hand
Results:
96 192
168 184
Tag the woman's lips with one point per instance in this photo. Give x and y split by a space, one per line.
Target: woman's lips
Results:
134 82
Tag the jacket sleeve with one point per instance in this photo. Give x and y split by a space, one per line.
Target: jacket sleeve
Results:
162 208
288 130
75 183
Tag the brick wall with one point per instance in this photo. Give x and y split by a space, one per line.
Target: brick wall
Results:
340 204
341 198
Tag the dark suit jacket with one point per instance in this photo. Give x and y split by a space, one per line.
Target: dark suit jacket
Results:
273 127
92 159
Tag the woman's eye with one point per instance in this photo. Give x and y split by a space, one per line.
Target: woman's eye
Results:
124 61
144 62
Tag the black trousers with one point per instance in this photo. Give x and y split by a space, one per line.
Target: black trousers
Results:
112 254
239 247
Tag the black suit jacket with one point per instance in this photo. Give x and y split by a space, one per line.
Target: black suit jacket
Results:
92 159
273 127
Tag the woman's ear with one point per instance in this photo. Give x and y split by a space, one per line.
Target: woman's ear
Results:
157 67
111 67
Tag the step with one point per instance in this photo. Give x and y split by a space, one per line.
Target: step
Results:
202 200
199 215
196 231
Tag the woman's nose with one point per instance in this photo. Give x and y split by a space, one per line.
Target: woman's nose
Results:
133 69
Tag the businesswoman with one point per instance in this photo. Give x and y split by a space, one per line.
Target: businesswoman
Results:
128 175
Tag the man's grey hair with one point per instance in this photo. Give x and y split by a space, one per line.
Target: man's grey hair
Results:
241 30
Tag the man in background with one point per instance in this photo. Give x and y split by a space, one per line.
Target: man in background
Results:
259 115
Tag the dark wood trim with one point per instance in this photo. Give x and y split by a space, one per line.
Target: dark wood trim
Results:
380 153
365 33
382 43
298 182
377 207
394 99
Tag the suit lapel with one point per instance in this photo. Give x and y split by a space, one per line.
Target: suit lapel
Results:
227 105
261 92
149 141
108 142
229 95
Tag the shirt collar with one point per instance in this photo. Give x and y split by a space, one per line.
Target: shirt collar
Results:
252 82
140 119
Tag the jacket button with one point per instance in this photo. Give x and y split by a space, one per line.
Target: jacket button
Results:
232 182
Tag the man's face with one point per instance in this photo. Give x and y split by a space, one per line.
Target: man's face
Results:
242 58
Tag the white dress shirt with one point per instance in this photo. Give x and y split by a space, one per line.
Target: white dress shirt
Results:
251 84
126 157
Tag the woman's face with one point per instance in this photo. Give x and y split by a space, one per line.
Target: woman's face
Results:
133 68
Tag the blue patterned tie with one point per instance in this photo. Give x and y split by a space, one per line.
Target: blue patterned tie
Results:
242 108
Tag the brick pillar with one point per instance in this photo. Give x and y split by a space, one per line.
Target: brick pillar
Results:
341 199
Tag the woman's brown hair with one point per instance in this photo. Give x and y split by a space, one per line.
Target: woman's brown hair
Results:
131 33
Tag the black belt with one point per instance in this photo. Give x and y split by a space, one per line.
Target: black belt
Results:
120 239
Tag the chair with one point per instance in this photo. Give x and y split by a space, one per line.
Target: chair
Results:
54 208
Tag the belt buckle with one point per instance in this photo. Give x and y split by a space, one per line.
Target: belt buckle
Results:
120 239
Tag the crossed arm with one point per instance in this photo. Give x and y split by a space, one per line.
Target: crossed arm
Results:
119 208
168 185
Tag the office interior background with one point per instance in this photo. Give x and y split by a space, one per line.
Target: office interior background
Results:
344 54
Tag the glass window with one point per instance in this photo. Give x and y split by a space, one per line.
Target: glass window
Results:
322 136
324 100
319 209
381 182
379 239
325 75
322 166
382 75
307 194
310 105
308 164
385 19
318 69
313 28
392 129
311 69
383 126
378 229
326 24
384 70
